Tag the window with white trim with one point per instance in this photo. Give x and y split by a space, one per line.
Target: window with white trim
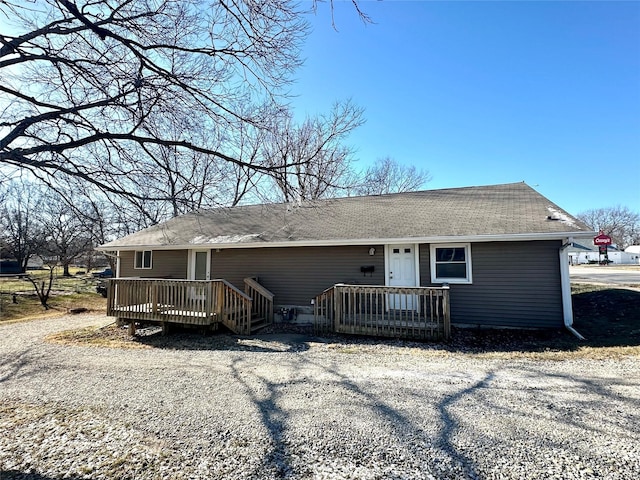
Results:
142 259
451 263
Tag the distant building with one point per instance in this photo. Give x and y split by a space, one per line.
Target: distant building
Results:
581 255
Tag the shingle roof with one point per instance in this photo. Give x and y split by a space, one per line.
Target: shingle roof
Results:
505 211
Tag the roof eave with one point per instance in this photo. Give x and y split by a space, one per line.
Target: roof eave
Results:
511 237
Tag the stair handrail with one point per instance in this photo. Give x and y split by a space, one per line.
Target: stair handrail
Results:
233 307
262 299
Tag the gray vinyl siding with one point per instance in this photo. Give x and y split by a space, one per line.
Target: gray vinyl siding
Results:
165 264
515 284
296 275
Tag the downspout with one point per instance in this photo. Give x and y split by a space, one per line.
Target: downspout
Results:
565 285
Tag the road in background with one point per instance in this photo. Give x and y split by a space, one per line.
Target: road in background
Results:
606 275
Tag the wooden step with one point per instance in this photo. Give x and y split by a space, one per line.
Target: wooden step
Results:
258 323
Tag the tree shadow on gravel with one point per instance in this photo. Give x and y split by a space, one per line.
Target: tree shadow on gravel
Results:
407 431
190 339
12 367
267 396
450 425
17 475
276 463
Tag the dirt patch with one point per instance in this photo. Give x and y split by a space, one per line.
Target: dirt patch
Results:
108 336
609 318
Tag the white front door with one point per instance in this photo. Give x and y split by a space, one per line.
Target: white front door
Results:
201 264
199 269
401 272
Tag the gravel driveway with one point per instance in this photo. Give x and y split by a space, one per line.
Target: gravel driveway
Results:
266 408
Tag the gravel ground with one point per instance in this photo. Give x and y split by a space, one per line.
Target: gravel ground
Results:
279 407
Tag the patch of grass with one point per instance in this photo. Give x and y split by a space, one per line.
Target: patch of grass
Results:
66 293
609 318
109 336
79 283
28 306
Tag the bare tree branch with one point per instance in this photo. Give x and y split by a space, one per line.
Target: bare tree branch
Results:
83 81
619 222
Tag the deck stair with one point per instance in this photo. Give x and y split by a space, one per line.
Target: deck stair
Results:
205 303
258 323
261 305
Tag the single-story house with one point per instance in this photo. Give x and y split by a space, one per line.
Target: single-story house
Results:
402 265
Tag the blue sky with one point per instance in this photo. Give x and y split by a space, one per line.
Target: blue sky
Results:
489 92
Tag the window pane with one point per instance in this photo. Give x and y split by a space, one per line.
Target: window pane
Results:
458 254
138 259
451 270
450 254
147 259
201 266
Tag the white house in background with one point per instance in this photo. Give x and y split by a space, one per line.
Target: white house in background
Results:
624 258
581 254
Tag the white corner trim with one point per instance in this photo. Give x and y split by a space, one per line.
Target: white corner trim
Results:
416 259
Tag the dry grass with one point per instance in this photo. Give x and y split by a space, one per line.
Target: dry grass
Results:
67 293
609 318
28 306
108 336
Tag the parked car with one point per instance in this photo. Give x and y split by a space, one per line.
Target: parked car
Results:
106 273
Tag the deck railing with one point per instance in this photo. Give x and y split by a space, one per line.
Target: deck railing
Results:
233 307
403 312
195 302
262 300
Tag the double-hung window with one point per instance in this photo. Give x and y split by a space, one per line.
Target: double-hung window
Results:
451 263
143 259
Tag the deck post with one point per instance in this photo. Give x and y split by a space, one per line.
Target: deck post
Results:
220 303
154 298
446 313
132 328
337 307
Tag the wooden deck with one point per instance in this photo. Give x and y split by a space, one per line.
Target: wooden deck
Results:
205 303
399 312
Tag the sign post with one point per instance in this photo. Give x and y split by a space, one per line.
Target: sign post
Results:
602 241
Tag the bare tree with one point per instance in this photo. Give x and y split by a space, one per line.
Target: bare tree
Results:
20 224
90 89
389 176
43 287
311 161
620 223
66 236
